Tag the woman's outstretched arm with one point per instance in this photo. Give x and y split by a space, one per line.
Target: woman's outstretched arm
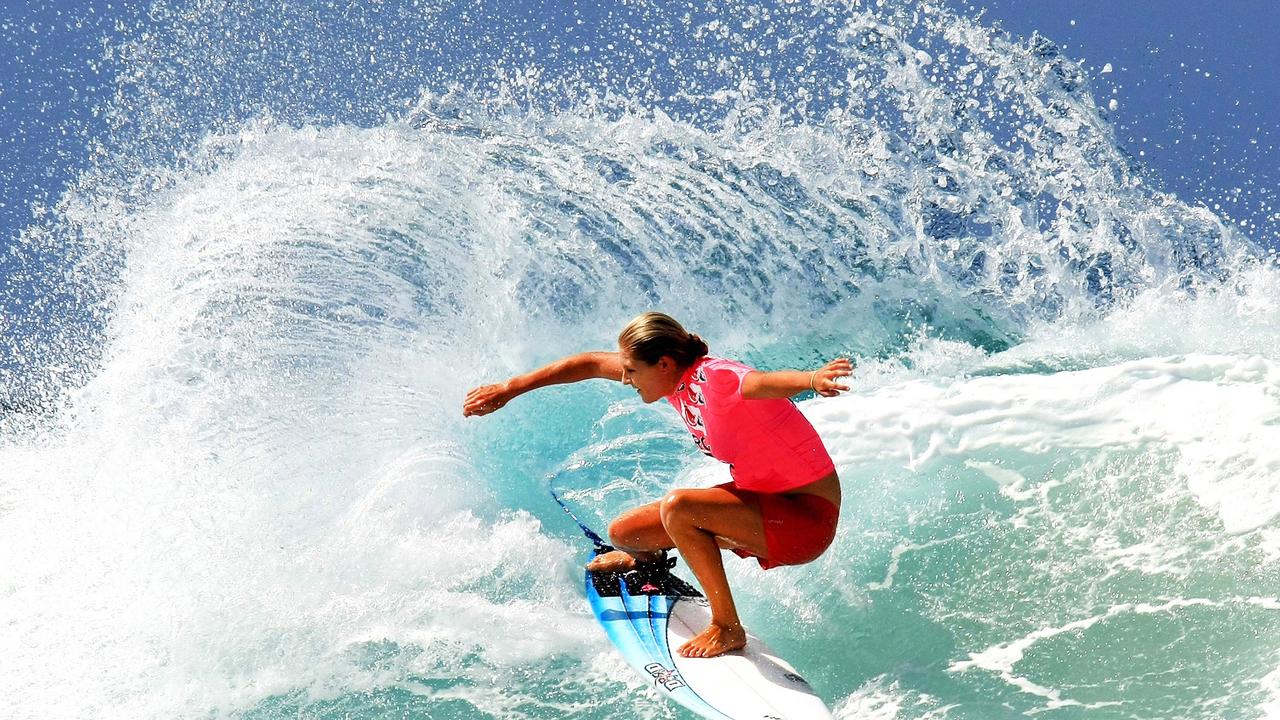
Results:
785 383
583 366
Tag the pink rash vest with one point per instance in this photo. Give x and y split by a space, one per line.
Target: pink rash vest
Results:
769 445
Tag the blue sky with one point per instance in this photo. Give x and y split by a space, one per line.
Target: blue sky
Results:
1197 90
1196 86
50 52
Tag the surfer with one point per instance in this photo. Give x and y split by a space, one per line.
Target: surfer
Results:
784 500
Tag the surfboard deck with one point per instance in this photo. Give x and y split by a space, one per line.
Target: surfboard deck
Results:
648 613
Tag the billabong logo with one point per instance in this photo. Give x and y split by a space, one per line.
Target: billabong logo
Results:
666 678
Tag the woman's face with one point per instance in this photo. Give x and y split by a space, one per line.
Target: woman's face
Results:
653 382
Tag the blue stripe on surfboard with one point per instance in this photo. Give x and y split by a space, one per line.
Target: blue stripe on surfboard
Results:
639 613
618 626
661 605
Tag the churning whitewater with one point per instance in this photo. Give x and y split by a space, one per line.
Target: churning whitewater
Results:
1060 455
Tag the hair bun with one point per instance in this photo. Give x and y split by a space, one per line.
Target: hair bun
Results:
698 346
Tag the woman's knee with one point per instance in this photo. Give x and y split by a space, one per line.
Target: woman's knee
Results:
633 526
623 531
675 506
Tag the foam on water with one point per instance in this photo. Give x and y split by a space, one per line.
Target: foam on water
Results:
259 498
1212 412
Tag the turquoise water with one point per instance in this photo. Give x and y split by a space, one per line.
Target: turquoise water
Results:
1060 455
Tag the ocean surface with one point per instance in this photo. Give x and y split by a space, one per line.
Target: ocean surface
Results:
235 480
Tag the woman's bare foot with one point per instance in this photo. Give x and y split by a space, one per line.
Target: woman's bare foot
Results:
613 561
622 561
715 640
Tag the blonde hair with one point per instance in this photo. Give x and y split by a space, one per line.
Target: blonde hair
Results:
654 335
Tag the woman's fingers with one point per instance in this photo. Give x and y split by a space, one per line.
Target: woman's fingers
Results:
483 400
828 387
478 393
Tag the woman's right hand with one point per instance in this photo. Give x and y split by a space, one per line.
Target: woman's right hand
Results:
485 399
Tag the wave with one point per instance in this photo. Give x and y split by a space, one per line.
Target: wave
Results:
255 494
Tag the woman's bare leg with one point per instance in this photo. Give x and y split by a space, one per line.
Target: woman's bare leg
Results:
638 535
695 519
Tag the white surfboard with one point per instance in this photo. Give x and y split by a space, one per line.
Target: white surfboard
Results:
647 615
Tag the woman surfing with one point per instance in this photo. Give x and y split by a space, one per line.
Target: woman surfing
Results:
783 503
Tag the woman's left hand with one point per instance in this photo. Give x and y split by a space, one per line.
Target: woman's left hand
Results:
823 380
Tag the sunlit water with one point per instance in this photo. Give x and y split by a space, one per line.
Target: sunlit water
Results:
1060 455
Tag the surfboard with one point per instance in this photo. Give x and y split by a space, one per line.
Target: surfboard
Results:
648 613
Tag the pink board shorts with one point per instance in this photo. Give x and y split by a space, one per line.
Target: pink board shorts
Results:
797 527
